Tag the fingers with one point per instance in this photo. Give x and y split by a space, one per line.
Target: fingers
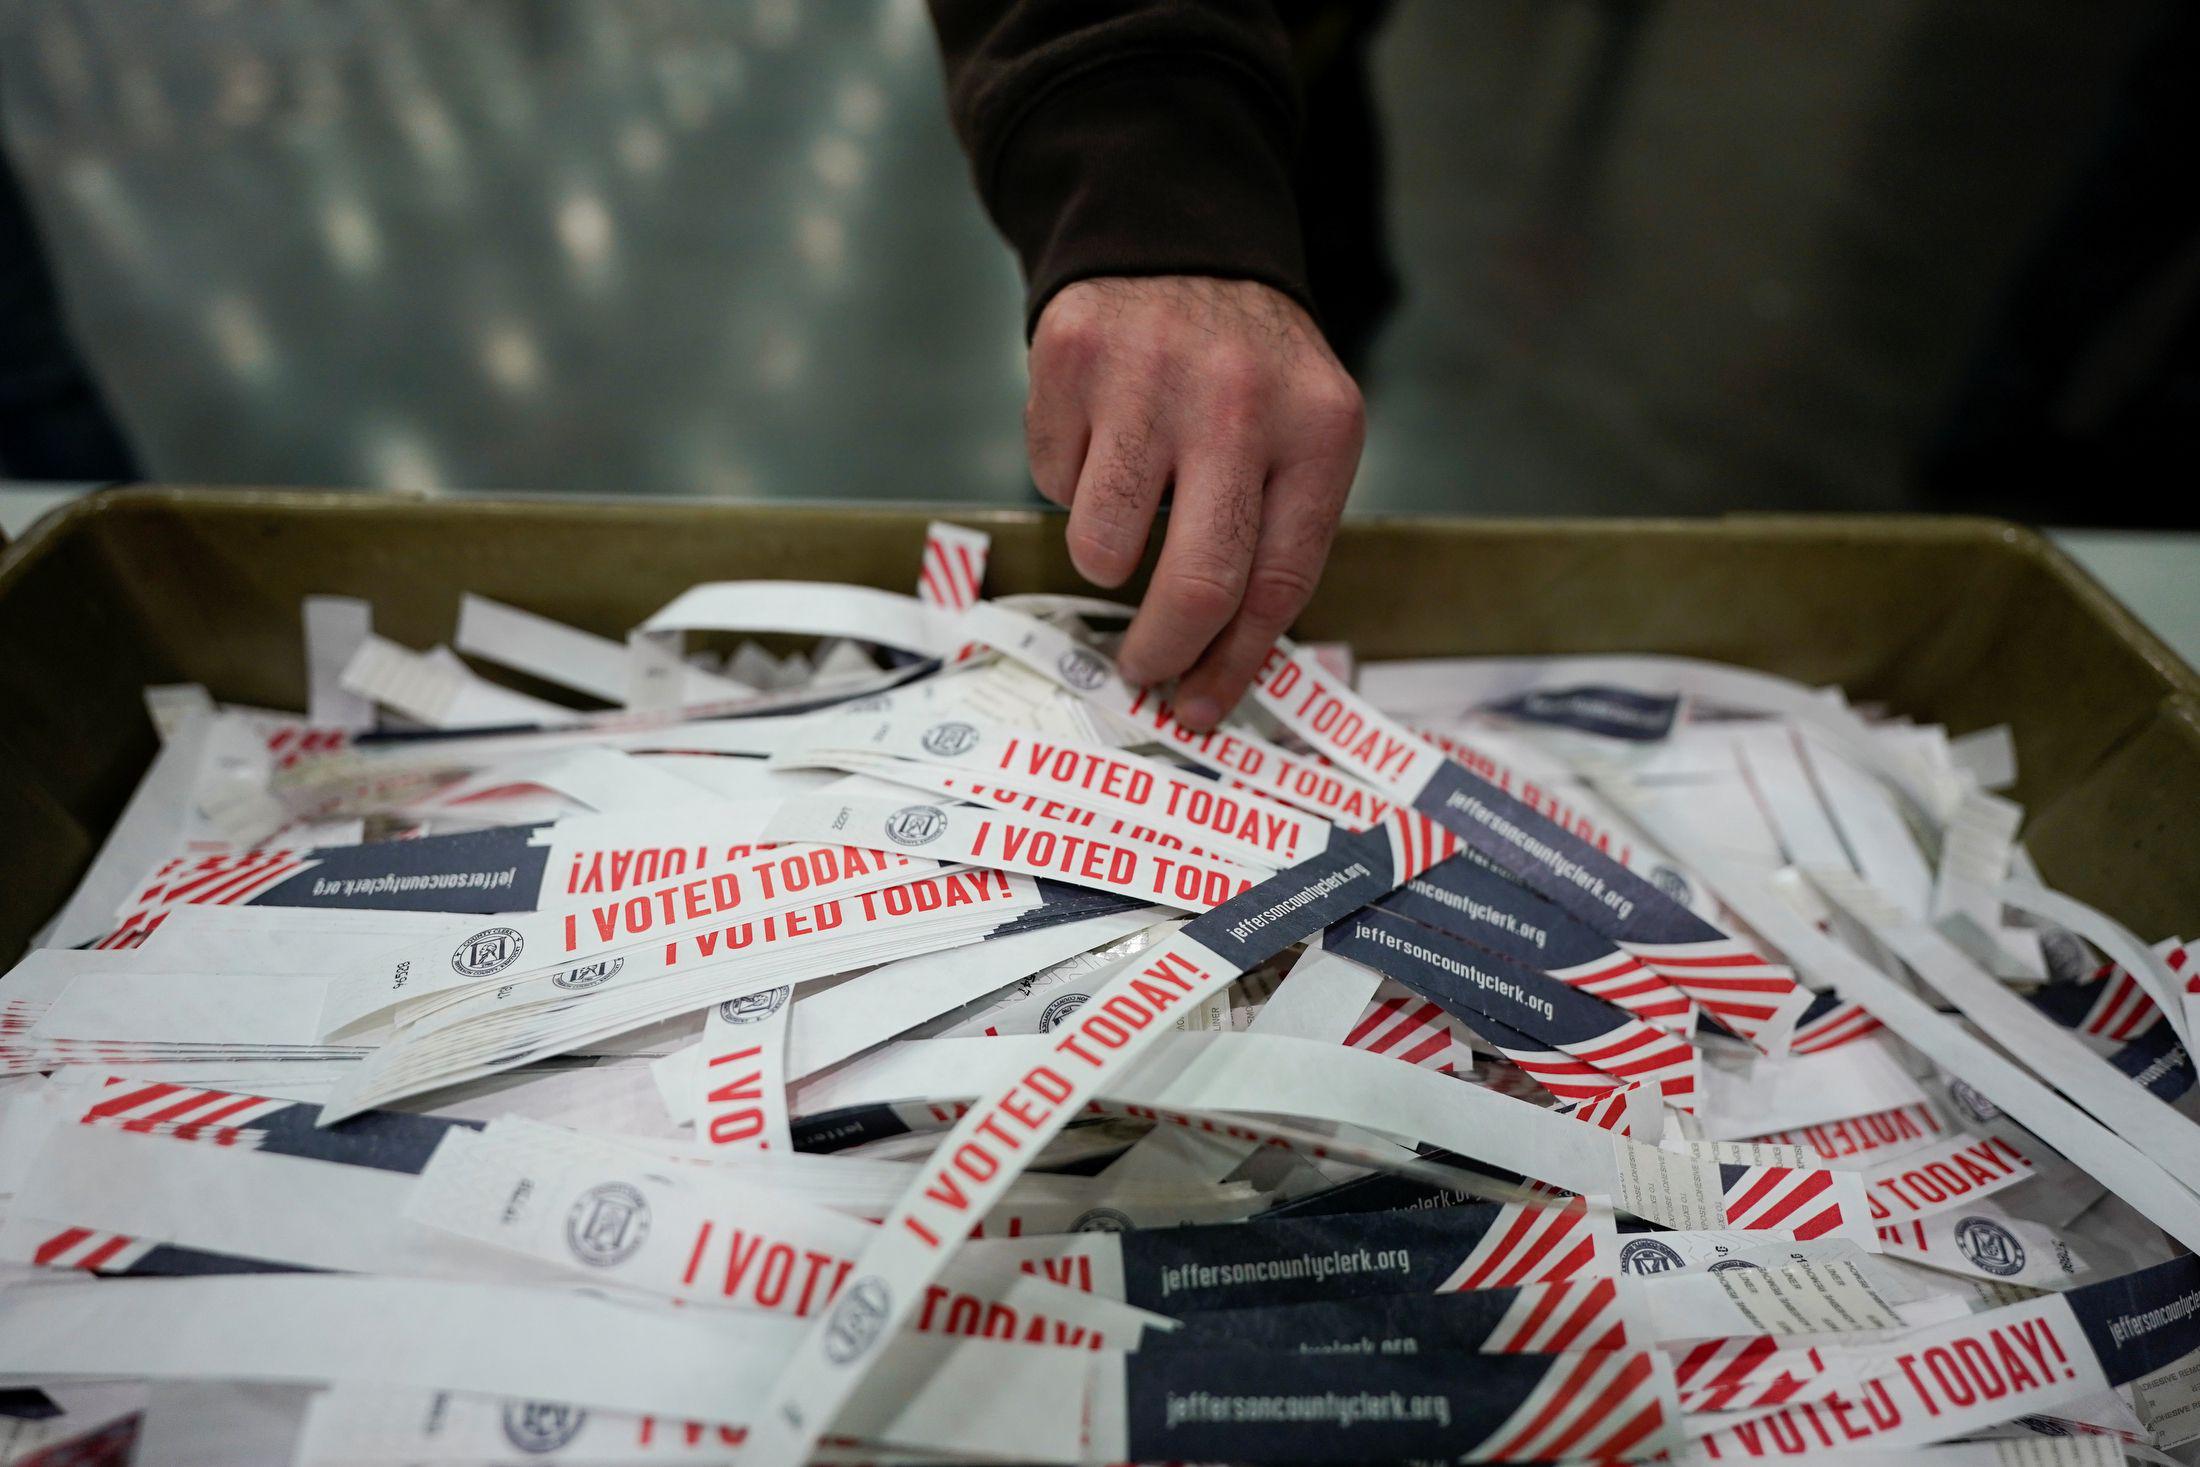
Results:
1125 469
1057 432
1298 520
1205 565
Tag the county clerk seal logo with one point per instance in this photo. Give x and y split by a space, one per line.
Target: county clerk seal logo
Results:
536 1427
488 952
854 1325
588 975
1051 1017
1082 669
1990 1246
754 1008
606 1224
950 740
1648 1255
915 825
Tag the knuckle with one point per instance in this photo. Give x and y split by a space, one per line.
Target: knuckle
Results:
1069 342
1337 410
1235 417
1236 373
1205 593
1276 594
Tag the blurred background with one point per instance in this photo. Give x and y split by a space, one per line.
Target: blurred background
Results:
1656 256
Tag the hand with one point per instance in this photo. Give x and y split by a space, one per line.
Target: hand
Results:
1225 389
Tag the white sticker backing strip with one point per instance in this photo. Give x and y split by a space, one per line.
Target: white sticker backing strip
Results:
2128 1171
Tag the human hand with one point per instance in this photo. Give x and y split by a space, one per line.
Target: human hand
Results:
1225 389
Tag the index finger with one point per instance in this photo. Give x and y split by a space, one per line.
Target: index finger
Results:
1205 560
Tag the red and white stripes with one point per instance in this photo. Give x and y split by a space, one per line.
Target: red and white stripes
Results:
953 568
1600 1405
1416 843
180 1111
219 881
1535 1244
294 741
1566 1314
1625 981
2122 1010
1756 998
1607 1112
1744 1372
1804 1201
1638 1054
90 1249
1839 1025
1403 1024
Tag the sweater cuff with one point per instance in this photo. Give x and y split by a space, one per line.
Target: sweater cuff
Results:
1182 169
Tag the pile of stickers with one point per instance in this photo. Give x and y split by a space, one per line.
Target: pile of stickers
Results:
919 1047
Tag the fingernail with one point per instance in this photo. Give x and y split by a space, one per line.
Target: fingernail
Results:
1200 713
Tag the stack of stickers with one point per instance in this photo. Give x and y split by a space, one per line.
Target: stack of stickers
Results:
900 1039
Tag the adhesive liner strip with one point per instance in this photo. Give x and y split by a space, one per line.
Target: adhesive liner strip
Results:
996 1140
506 1340
1232 752
995 838
811 608
335 627
1531 1319
2119 1165
352 1425
2036 1451
741 1082
567 656
2150 968
1759 1000
1979 1371
2171 1138
485 950
440 693
836 1023
1756 999
1263 1075
1476 983
579 1207
1269 1262
1448 686
1089 775
488 1028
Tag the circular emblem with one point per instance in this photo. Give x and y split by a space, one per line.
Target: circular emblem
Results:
588 975
754 1008
1648 1255
1101 1220
1083 669
606 1224
489 951
536 1427
1726 1264
1979 1106
950 739
1059 1009
1672 883
855 1323
1990 1246
913 825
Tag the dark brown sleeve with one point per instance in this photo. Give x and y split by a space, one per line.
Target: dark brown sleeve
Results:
1129 137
